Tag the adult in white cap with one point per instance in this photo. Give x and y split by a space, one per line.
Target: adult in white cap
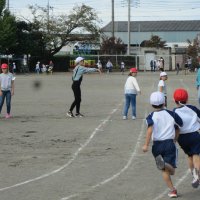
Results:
161 128
162 85
77 77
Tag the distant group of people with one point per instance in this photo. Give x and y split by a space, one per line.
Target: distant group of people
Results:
44 68
157 64
109 66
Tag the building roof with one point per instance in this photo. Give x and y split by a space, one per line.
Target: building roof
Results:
153 26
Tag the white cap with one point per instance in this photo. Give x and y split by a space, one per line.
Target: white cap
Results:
157 98
163 74
78 59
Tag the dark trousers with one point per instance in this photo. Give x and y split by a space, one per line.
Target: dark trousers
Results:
77 96
6 95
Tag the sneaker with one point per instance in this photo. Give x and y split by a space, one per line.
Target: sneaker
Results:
124 117
160 162
8 116
133 117
173 194
69 114
79 115
195 182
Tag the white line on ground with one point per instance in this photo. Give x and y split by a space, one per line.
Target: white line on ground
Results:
99 127
134 153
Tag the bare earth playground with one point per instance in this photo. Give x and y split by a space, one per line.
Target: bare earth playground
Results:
46 156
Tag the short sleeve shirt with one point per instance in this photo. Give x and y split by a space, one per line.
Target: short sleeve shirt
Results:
163 123
6 81
162 84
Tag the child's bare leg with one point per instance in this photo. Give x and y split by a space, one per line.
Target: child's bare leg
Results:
169 168
167 179
196 162
196 170
190 163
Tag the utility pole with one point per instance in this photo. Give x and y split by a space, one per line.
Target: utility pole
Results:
129 35
48 16
113 21
8 5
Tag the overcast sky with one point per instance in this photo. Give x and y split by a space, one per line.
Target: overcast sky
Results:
141 10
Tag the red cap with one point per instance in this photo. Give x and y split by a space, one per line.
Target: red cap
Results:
180 95
4 66
134 70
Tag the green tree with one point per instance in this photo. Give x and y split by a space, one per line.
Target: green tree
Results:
192 51
7 30
155 41
28 41
112 45
58 31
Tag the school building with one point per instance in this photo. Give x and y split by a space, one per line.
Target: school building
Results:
175 33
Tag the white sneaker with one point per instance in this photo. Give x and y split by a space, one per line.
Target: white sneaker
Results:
124 117
195 182
133 117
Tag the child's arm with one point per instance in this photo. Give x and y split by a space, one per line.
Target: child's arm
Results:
12 88
177 131
148 138
160 88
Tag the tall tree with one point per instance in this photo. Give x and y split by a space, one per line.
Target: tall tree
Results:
7 30
112 45
192 50
58 31
155 41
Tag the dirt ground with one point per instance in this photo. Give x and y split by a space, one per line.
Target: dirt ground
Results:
46 156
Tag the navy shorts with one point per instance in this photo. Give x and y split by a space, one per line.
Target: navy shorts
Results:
190 143
167 149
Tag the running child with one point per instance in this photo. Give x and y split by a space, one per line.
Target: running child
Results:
189 138
163 136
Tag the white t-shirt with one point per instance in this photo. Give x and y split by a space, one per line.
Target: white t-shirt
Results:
163 85
6 81
131 86
190 116
163 123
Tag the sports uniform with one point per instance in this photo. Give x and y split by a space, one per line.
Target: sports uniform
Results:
189 137
162 125
163 134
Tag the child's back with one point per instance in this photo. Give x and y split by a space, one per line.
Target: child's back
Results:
189 138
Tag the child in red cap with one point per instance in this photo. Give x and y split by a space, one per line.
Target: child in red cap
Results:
131 89
189 137
6 88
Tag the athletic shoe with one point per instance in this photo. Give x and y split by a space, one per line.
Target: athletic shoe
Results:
133 117
69 114
8 116
160 162
79 115
195 182
124 117
173 194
